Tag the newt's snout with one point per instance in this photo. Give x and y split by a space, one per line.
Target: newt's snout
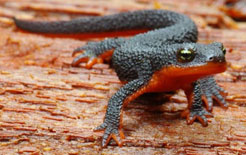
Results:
216 58
216 61
217 53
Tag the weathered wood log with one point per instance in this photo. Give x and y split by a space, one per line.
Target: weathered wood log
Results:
49 107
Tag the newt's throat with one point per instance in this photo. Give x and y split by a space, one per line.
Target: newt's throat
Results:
173 78
203 70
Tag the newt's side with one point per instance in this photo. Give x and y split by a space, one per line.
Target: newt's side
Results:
166 58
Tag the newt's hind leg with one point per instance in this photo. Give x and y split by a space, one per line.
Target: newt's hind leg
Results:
95 52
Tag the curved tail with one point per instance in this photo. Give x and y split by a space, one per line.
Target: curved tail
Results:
143 19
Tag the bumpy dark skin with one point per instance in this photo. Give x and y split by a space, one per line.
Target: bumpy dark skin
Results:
164 59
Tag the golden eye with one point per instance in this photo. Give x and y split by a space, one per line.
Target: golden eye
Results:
224 50
185 55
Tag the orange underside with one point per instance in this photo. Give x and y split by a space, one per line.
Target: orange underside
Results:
86 36
173 78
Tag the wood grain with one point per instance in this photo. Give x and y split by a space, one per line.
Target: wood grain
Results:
49 107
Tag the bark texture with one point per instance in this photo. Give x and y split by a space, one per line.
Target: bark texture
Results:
49 107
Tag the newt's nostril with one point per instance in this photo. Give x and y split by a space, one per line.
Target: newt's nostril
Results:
211 58
216 59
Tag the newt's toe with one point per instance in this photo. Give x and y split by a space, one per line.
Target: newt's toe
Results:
80 58
93 61
210 91
110 132
220 99
76 51
117 137
208 102
100 127
200 115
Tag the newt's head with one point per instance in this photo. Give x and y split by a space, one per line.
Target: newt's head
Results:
196 60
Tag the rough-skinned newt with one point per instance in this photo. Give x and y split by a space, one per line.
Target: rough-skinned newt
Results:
165 58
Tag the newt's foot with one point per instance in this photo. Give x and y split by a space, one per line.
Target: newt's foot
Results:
111 131
210 91
90 55
199 114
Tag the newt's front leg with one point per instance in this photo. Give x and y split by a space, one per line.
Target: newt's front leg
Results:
113 119
210 91
203 91
195 105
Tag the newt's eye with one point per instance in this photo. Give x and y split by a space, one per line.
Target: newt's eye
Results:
224 50
185 55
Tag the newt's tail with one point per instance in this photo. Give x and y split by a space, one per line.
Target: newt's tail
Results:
143 19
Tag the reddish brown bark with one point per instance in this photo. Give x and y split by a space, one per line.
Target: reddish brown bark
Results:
47 106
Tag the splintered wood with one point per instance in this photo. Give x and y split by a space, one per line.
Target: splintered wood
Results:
49 107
